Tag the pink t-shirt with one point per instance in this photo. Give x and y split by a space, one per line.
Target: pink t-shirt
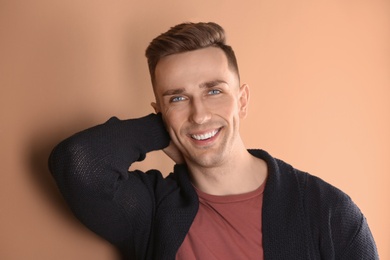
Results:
225 227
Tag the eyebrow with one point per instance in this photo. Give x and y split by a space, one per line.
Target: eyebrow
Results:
208 84
176 91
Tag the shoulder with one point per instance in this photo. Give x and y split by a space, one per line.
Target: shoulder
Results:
335 224
334 219
325 199
283 175
318 195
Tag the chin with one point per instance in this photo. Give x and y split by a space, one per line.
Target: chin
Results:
208 160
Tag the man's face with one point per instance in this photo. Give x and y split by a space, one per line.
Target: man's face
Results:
201 103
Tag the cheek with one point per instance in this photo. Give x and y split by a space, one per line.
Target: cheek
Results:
174 118
225 108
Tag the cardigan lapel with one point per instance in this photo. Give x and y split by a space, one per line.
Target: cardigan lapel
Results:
175 215
284 226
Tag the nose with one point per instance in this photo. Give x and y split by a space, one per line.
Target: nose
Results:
200 114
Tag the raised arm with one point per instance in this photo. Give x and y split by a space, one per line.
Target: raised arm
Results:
91 171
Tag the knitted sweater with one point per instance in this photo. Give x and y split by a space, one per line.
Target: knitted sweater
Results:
147 216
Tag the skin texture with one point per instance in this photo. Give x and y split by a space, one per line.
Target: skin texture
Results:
202 103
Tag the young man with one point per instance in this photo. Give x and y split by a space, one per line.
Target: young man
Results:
222 201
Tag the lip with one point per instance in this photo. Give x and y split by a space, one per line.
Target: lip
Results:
205 137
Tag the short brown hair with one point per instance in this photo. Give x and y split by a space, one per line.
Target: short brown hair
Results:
188 37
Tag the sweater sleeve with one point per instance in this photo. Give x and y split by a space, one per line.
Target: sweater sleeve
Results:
91 171
343 229
362 246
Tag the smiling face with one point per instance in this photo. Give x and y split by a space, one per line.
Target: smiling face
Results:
201 103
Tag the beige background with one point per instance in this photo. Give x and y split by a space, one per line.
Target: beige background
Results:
318 71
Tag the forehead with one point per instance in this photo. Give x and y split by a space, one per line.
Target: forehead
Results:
192 68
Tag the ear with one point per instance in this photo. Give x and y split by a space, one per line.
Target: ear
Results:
243 101
156 107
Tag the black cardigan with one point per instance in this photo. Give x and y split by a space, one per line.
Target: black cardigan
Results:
148 217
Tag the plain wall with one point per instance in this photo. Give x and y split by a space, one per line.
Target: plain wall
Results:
320 98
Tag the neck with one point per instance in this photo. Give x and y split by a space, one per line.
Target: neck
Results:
238 174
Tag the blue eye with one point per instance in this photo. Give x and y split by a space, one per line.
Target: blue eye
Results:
177 99
214 92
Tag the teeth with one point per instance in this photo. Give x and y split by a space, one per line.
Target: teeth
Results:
205 136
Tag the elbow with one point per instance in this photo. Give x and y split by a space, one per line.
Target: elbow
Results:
71 164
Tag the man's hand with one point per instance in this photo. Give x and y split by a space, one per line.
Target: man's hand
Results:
174 153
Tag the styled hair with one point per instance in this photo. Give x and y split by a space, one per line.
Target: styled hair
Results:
188 37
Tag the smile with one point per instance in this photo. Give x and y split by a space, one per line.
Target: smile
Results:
205 136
